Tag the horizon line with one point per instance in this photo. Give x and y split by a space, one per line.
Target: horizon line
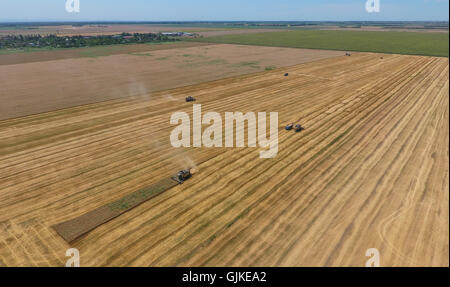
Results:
212 21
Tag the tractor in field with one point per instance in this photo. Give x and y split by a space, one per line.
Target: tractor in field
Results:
287 74
190 99
348 54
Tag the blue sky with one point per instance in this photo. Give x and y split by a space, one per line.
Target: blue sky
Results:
223 10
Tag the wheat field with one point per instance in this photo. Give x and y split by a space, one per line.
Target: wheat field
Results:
370 170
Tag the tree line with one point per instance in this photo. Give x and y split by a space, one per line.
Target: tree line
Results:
42 41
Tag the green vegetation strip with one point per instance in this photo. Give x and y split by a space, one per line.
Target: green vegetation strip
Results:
411 43
104 50
74 228
136 198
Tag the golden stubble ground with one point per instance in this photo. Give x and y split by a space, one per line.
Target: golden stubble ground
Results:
369 171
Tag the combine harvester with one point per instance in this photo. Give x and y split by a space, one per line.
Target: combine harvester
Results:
75 228
298 127
183 175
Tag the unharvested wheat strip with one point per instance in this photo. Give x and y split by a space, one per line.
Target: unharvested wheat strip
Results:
73 229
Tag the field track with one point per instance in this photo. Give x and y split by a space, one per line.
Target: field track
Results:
371 170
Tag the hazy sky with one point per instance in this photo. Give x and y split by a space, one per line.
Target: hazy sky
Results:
231 10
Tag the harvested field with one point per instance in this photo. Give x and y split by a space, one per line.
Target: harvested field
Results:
90 30
77 227
97 51
405 43
45 86
371 170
